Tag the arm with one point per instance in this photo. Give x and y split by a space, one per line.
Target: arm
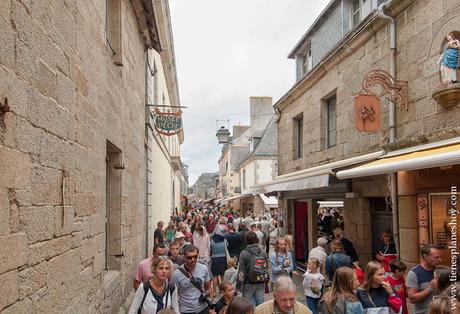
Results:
414 294
136 301
276 268
240 272
290 267
175 302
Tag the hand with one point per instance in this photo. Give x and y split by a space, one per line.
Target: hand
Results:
387 287
433 284
295 273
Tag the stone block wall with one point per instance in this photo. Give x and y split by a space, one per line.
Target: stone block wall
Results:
420 30
68 99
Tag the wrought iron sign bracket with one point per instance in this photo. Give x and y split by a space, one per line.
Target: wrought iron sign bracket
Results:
395 91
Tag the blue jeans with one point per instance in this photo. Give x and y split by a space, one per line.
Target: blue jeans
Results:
254 293
312 303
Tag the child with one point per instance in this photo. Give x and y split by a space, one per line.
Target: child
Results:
227 290
231 272
174 254
397 282
313 283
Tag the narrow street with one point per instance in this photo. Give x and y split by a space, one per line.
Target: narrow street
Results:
130 129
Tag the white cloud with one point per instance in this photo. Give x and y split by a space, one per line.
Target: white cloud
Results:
227 51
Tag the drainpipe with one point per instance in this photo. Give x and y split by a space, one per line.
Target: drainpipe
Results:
392 123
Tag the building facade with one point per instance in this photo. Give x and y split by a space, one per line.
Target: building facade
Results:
74 159
319 134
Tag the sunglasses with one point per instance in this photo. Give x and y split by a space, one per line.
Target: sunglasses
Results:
191 257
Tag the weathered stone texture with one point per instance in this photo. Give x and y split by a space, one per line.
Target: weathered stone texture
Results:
8 288
13 251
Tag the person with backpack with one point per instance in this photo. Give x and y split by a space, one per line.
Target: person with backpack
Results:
337 259
157 293
252 270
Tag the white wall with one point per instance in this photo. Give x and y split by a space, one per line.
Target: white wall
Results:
265 170
163 196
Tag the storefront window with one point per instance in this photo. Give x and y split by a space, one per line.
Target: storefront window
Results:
444 219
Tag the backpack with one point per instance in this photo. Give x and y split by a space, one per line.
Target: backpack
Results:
258 267
171 288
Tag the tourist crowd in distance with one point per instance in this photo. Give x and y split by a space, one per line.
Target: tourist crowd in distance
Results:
212 260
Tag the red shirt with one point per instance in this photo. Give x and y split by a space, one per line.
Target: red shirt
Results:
400 287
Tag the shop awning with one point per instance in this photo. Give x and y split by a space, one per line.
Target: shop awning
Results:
420 159
311 178
226 200
269 201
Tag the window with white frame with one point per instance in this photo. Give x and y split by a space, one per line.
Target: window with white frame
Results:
356 11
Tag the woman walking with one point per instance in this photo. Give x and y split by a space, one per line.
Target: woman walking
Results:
218 257
156 294
281 260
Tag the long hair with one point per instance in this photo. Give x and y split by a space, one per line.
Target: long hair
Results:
371 268
342 287
442 274
289 242
441 305
276 245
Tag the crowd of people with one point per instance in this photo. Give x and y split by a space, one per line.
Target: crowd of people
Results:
212 260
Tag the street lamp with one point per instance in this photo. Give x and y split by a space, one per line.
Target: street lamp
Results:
222 135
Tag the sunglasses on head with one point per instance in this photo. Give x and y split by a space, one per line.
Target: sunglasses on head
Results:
190 257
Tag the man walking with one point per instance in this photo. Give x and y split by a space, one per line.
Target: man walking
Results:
192 281
420 279
144 269
252 270
284 299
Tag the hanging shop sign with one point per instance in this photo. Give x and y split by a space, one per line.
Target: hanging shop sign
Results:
367 112
168 123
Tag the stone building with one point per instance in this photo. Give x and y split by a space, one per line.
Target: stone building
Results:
203 184
75 149
319 135
243 141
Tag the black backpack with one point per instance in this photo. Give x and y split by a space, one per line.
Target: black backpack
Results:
258 267
147 287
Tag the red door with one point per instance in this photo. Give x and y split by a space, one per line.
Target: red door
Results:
300 216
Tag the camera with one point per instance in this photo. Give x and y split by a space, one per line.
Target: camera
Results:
204 297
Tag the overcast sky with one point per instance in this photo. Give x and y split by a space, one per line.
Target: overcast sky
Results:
227 51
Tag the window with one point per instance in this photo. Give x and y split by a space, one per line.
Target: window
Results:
113 201
298 137
244 179
331 121
356 12
113 29
307 62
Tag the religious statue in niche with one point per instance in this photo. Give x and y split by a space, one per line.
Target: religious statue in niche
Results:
449 60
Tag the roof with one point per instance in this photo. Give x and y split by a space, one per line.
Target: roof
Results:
268 145
318 20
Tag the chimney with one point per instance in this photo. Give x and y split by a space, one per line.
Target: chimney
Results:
238 130
261 111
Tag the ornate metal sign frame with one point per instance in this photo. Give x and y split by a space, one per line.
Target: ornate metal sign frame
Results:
173 126
396 91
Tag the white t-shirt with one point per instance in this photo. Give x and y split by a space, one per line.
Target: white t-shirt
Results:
312 284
